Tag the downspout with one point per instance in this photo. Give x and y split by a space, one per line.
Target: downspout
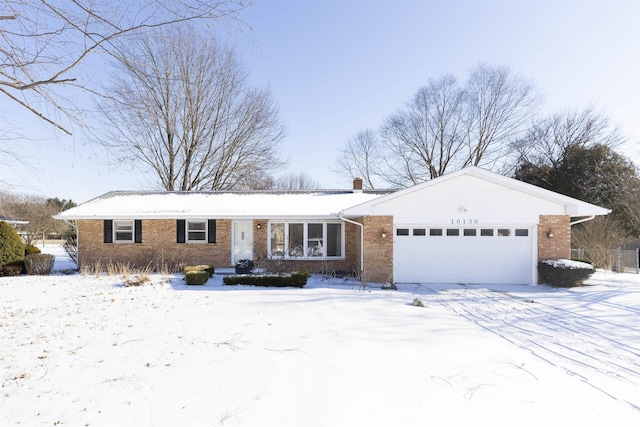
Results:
361 239
589 218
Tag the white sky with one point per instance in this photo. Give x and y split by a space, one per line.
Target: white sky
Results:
337 67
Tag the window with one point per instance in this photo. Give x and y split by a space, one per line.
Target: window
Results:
522 232
306 240
486 232
402 232
123 231
419 232
435 232
196 231
314 239
453 232
470 231
504 232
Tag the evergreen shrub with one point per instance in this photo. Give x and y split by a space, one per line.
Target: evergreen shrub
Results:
11 246
31 249
563 273
296 279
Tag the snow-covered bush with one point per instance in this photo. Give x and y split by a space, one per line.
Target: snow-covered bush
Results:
564 273
39 264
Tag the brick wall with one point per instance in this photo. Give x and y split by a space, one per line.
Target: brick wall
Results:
558 246
378 250
158 247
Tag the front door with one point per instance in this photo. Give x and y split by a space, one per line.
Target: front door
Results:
242 240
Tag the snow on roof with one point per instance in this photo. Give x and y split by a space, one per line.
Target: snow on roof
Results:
217 204
574 207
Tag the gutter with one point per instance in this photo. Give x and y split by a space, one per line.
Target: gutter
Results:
589 218
361 239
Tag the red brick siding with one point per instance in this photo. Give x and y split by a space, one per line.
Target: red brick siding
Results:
558 246
378 250
158 246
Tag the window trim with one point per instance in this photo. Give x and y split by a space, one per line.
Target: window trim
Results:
305 240
115 230
187 231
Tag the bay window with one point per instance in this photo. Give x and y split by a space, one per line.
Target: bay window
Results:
306 240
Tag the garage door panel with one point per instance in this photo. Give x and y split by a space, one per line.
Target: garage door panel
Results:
464 259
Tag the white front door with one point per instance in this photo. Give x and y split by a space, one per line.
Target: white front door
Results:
242 240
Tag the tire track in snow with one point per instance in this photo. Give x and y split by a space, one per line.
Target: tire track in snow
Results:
583 347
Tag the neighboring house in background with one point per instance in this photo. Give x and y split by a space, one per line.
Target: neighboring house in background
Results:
12 221
469 226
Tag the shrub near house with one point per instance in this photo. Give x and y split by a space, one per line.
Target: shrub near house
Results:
11 251
564 273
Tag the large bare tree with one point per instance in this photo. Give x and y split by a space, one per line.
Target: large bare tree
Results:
361 157
182 106
448 125
427 137
44 43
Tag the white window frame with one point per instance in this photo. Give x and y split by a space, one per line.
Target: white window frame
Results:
120 223
305 240
187 230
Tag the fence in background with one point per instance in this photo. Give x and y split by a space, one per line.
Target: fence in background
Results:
620 260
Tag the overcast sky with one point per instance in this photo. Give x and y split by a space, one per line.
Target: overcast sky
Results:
337 67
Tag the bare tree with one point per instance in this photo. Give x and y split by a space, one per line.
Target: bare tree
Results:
44 43
37 210
547 139
289 181
427 138
295 181
499 104
448 125
361 158
182 106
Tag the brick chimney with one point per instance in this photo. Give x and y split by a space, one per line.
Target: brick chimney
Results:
357 184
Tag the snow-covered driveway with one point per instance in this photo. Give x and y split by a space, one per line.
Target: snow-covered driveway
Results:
592 337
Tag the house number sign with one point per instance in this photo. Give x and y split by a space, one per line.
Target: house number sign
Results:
464 221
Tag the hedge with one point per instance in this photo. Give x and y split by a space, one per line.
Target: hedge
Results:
563 273
296 279
198 274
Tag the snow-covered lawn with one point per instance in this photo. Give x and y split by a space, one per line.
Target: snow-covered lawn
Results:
87 351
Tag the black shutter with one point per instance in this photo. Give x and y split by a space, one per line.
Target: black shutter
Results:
180 225
211 233
108 231
137 226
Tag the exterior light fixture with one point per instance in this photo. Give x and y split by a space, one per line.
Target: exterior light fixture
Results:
259 226
384 234
550 234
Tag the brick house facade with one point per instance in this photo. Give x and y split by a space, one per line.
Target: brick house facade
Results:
470 226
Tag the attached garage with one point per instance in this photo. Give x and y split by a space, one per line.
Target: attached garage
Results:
435 253
470 226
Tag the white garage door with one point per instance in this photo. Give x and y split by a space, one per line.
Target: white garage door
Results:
440 254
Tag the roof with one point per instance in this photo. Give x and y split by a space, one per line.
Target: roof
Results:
573 207
12 221
218 204
320 204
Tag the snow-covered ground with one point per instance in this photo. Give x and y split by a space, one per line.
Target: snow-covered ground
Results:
86 351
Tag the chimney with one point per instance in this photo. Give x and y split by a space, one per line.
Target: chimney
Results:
357 185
